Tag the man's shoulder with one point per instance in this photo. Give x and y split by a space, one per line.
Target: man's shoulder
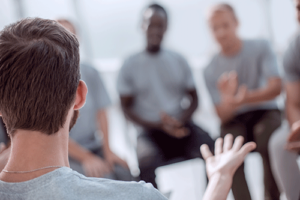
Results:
294 44
111 189
256 44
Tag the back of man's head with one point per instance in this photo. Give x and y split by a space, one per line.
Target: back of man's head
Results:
39 75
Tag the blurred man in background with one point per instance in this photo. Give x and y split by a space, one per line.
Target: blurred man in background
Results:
285 143
243 81
89 155
152 85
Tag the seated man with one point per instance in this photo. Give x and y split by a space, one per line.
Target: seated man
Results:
285 143
152 85
87 154
41 93
243 81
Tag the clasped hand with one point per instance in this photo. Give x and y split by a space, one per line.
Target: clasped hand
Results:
173 127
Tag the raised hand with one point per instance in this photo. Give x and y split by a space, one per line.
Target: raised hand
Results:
228 157
228 83
230 91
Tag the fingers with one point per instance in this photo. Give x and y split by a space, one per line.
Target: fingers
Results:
218 146
247 148
228 140
293 146
206 153
238 143
295 132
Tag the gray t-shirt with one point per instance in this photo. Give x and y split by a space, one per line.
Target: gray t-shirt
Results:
66 184
84 131
291 60
254 64
158 83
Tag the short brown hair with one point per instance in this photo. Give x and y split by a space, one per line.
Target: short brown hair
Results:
224 7
39 75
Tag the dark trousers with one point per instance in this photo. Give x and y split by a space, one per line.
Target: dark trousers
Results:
156 148
255 126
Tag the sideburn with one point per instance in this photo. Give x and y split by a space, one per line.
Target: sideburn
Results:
74 119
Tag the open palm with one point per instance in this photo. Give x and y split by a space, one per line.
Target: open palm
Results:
228 157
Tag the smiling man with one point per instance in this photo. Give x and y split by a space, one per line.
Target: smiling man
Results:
152 85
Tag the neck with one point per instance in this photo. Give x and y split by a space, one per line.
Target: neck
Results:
32 150
232 49
153 49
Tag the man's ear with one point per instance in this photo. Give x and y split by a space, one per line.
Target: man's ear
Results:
81 93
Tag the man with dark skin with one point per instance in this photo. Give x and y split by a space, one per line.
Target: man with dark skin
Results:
284 145
152 85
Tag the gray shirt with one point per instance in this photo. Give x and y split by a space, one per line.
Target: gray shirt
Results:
64 184
291 60
254 64
158 82
84 131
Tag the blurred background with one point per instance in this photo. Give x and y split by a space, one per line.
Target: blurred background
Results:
110 30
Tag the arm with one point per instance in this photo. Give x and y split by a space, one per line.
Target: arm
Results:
269 92
233 97
226 110
102 123
77 152
292 104
187 114
221 167
110 157
93 166
218 187
126 103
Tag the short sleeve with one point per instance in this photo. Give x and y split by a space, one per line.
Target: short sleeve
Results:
101 95
124 82
291 61
211 84
151 193
189 82
269 61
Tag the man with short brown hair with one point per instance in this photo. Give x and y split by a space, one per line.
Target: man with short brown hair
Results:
39 59
40 95
243 81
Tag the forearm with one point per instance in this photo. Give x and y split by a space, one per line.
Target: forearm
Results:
218 187
225 111
102 123
267 93
76 151
292 112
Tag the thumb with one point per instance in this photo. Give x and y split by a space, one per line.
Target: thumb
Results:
247 148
